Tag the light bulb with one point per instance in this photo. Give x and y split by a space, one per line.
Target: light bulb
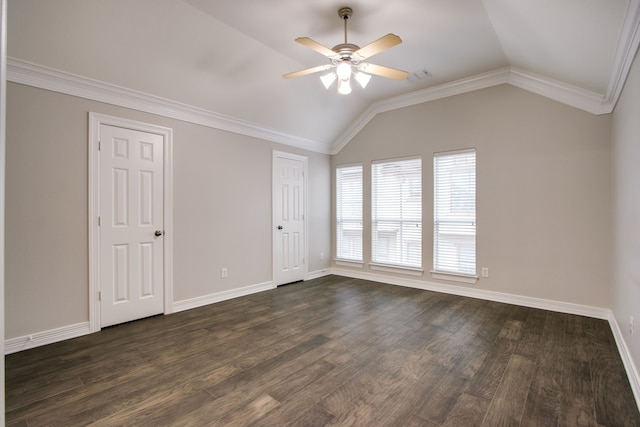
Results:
344 87
344 70
363 79
328 79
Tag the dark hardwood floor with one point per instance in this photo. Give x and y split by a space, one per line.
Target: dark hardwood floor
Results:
330 351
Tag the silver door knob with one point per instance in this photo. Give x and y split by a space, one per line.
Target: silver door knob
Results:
158 233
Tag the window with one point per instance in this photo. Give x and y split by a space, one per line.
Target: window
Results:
454 212
349 213
396 212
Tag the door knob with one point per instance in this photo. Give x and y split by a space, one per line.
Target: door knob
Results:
158 233
279 227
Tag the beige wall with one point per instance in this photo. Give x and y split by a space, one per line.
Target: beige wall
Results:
222 208
543 185
626 211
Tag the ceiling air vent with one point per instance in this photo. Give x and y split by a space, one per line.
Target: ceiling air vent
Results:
419 75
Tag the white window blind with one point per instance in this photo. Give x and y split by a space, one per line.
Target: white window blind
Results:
454 212
396 212
349 212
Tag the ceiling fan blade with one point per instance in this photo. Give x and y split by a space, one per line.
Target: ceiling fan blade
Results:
312 44
383 43
307 71
379 70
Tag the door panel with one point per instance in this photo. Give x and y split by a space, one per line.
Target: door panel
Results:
289 202
131 210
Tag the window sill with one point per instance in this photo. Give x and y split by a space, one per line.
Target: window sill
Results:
349 263
413 271
454 277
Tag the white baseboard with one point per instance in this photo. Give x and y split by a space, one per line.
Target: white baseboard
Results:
188 304
559 306
625 355
13 345
318 274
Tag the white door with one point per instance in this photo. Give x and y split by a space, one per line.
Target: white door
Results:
289 218
131 225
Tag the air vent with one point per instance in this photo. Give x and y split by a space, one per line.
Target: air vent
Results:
419 75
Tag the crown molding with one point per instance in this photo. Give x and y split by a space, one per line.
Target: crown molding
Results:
565 93
27 73
480 81
574 96
625 53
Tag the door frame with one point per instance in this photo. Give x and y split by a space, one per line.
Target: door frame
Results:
95 121
274 225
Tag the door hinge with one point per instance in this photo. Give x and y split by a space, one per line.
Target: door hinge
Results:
99 295
99 145
99 222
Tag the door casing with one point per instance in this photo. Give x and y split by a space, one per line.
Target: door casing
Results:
274 231
95 121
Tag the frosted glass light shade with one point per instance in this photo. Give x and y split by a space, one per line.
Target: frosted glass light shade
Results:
344 70
328 79
344 87
363 79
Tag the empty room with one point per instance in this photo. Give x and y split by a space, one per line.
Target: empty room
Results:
366 213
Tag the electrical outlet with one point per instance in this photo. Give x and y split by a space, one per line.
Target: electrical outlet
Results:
485 271
224 273
322 256
630 325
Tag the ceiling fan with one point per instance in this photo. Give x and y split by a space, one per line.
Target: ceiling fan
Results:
347 59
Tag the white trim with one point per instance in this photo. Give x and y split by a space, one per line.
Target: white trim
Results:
533 302
3 118
38 339
454 277
318 274
35 75
400 269
625 355
625 52
349 263
95 120
565 93
305 164
454 152
203 300
480 81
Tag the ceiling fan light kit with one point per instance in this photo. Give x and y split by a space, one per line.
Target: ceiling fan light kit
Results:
346 60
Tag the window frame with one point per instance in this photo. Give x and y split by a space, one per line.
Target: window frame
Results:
340 259
404 239
448 274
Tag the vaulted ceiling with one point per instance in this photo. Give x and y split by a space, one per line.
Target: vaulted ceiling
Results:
226 59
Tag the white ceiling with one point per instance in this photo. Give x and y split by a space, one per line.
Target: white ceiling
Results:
227 57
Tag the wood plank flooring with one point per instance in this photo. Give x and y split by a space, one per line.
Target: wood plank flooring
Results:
331 351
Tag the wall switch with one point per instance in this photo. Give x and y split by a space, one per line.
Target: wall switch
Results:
485 271
224 273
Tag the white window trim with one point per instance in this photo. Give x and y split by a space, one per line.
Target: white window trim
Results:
454 277
392 268
349 263
396 268
345 261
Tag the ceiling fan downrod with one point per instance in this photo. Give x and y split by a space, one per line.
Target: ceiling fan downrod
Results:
345 13
346 50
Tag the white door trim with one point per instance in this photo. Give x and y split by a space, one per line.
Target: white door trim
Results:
274 225
95 121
